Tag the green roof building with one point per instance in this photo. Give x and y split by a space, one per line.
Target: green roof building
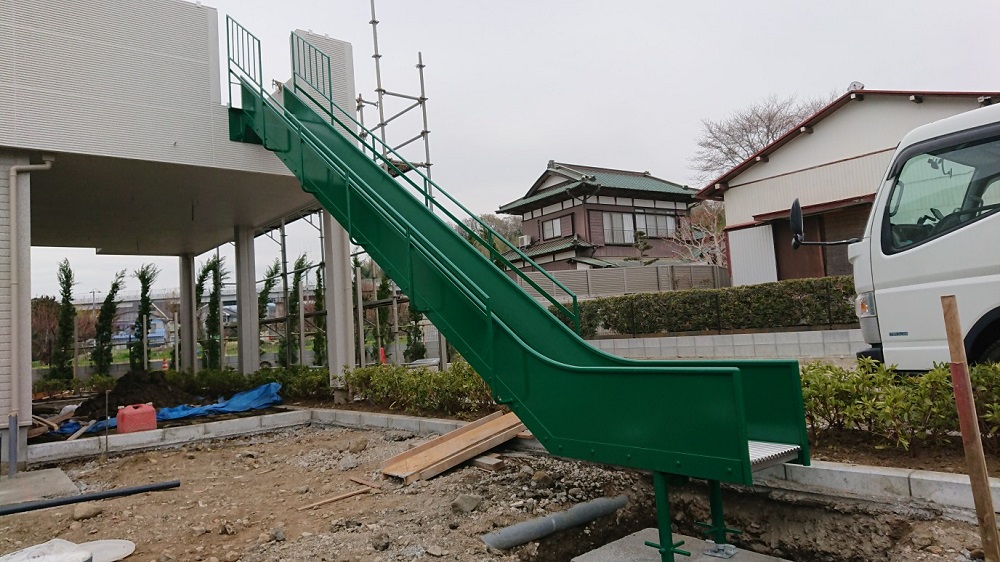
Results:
582 217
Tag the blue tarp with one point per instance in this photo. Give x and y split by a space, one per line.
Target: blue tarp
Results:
263 396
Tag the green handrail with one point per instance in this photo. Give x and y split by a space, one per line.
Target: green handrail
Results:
312 66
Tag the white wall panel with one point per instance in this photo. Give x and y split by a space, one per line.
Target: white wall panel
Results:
134 79
834 182
752 255
860 127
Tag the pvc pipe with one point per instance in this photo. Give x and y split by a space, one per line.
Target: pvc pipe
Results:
119 492
534 529
15 308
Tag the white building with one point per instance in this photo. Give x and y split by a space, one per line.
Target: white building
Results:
124 102
833 162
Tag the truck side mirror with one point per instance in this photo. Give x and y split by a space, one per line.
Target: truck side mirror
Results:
795 219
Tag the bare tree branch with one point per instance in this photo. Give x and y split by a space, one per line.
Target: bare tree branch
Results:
726 143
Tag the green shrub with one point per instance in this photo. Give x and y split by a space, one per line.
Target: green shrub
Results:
821 301
99 383
907 411
457 390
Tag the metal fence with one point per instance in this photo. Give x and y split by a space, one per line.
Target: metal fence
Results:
592 283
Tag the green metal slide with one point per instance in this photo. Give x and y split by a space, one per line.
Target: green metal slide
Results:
715 420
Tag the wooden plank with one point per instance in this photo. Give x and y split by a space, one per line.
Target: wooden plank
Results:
525 435
487 462
465 454
81 431
453 444
42 421
343 496
441 438
36 431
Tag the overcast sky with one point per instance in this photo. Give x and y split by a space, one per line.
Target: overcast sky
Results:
621 84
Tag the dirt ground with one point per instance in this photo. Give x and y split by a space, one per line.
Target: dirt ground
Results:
240 499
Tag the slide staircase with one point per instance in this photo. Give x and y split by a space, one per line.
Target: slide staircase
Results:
713 420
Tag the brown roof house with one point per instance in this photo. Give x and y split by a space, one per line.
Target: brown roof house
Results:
582 217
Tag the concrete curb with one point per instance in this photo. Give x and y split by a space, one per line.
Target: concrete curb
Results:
941 488
828 478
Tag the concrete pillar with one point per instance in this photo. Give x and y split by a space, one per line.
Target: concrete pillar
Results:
339 300
246 302
188 316
11 343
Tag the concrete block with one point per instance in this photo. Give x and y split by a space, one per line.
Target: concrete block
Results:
703 341
137 440
765 350
686 351
835 336
810 337
349 418
953 490
286 419
723 339
743 350
776 472
668 351
858 346
440 427
369 419
788 350
651 343
230 427
742 339
786 337
852 479
706 349
764 339
636 343
811 350
183 434
836 349
620 344
725 351
405 423
855 336
46 452
687 341
325 417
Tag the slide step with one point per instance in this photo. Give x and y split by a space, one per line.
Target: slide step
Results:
763 454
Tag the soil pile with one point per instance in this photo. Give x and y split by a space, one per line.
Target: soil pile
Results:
137 388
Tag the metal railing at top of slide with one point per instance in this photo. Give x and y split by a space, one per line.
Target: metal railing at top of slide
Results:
312 77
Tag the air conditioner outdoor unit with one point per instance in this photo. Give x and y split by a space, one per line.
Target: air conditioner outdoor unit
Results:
524 241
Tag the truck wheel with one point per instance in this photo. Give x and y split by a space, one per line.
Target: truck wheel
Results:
992 354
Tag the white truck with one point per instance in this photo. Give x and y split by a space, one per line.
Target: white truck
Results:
934 230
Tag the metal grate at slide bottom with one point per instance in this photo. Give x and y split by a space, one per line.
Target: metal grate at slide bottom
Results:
763 454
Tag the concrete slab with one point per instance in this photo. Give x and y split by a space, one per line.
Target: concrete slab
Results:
36 485
633 549
286 419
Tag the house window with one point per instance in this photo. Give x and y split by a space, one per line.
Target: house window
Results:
551 229
656 225
619 228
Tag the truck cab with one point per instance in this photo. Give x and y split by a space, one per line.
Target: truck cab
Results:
934 230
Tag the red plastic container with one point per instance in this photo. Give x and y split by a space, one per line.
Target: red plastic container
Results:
137 417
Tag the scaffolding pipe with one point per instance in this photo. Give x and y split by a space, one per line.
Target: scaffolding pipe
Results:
534 529
378 80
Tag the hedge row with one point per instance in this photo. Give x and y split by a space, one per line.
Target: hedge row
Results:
822 301
457 390
906 410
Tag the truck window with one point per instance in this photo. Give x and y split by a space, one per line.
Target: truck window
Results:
939 191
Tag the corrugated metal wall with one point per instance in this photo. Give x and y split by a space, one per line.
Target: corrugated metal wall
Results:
751 253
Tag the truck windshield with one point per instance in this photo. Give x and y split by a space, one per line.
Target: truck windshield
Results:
939 191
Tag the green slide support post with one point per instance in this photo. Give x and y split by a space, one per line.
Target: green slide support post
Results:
667 547
579 401
717 529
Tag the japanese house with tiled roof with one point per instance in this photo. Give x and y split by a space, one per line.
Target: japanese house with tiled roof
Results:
833 162
582 217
